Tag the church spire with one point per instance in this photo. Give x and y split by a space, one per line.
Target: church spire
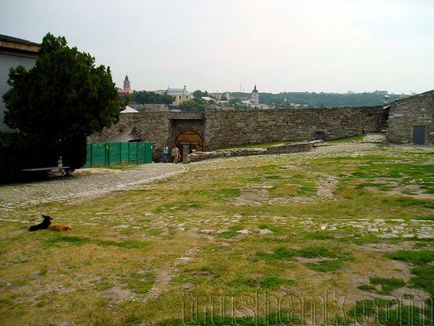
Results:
127 86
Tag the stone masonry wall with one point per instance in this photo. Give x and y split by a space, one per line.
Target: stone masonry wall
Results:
152 126
179 126
228 127
413 111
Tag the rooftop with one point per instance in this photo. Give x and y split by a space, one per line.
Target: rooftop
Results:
13 44
177 91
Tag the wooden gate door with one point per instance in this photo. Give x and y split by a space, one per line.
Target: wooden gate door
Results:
191 139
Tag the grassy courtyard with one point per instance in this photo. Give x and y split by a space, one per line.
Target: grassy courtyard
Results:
328 237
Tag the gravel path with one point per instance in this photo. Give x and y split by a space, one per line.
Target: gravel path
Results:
84 184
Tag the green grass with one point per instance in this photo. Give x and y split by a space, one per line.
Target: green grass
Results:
212 318
370 307
103 285
368 238
228 193
382 285
124 166
386 312
278 254
326 266
409 202
315 252
183 205
265 283
79 241
332 262
309 252
258 145
402 173
277 230
274 282
423 271
319 235
232 232
414 257
308 188
141 282
355 138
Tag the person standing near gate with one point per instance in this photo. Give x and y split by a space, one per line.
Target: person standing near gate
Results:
165 154
175 154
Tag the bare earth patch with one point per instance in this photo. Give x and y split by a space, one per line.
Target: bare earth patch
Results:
117 294
256 196
251 196
410 190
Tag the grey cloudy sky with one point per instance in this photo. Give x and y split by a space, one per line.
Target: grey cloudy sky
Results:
219 45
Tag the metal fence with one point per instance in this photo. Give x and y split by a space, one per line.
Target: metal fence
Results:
118 153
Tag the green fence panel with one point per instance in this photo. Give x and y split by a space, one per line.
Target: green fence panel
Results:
114 153
141 153
132 153
118 153
148 152
124 153
99 154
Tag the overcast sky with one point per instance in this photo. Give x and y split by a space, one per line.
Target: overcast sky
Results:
220 45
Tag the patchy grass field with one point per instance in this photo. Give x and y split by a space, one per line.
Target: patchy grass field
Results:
328 237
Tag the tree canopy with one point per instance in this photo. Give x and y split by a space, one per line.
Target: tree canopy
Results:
312 99
65 95
144 97
57 103
199 94
193 105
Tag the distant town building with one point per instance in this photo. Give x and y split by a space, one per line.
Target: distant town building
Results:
129 109
255 97
14 52
208 99
127 87
160 91
217 96
253 102
180 95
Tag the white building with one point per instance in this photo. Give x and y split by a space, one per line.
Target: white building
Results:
180 94
13 52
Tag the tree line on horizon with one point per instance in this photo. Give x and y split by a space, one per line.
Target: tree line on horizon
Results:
319 100
282 100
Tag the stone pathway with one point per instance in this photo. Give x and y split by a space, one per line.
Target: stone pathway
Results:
84 184
374 138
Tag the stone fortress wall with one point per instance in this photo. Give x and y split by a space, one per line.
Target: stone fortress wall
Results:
228 127
407 113
152 126
220 128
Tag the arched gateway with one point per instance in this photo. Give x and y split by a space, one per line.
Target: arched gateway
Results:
191 139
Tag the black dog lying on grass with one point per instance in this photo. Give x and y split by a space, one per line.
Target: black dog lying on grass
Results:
46 224
41 226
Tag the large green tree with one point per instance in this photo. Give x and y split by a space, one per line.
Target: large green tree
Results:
62 99
144 97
